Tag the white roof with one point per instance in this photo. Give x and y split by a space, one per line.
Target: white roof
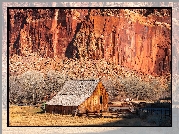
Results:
74 92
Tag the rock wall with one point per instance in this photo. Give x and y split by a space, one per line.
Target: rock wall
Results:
141 43
129 39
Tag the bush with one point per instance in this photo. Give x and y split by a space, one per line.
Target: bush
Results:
32 86
54 80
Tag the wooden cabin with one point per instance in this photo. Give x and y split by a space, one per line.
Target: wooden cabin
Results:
84 95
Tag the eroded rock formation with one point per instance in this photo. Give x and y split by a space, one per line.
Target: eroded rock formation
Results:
135 39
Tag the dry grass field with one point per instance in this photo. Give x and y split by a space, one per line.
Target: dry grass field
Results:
30 116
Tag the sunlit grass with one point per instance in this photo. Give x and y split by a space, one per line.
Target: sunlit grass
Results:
29 116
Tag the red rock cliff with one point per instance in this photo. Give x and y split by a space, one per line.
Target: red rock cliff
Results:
142 43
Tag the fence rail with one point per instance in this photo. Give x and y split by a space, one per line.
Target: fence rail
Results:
162 112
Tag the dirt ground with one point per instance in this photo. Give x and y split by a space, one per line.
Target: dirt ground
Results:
31 116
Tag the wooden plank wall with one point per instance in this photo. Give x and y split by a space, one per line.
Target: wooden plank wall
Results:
65 110
92 104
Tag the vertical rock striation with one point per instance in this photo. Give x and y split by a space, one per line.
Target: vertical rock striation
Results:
139 41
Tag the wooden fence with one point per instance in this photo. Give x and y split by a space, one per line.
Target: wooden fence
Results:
161 112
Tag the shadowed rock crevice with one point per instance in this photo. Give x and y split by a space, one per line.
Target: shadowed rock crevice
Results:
72 50
131 38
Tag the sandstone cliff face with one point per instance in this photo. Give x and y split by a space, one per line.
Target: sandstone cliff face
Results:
141 43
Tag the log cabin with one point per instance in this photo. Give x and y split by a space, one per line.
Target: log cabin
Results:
82 95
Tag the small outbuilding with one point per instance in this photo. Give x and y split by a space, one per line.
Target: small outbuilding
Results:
82 95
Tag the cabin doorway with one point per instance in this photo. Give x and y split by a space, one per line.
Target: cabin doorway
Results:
101 99
101 104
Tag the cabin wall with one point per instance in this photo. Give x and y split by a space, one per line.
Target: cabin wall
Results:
58 109
92 104
49 108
